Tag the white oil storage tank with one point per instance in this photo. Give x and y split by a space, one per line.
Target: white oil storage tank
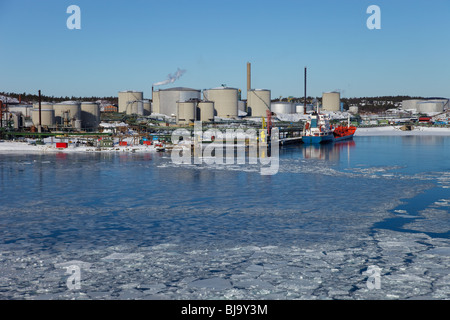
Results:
155 102
67 112
331 101
205 111
225 101
147 108
168 99
47 117
258 102
137 108
90 115
186 112
282 107
430 106
44 105
411 104
128 100
242 106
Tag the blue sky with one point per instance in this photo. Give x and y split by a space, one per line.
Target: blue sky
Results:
128 45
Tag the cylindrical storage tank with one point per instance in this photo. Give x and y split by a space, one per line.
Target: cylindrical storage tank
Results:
77 124
225 101
47 117
168 99
147 108
331 101
430 106
410 104
242 106
90 115
205 111
69 110
186 112
258 102
282 107
24 109
140 108
44 105
127 99
155 102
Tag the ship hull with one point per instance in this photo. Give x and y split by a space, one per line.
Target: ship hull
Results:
317 139
349 137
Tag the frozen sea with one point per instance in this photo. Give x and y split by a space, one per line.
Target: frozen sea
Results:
138 226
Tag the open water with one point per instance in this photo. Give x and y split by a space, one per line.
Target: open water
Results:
138 226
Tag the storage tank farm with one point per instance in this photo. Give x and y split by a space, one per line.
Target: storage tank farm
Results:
331 101
425 106
258 102
225 101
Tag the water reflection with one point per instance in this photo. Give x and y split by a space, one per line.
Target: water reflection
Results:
328 151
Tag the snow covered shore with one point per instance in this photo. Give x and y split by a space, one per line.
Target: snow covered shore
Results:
11 146
8 146
396 131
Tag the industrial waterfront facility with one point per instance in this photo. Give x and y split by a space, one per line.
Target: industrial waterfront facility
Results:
168 108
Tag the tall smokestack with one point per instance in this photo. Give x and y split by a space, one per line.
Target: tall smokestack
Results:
39 108
304 103
1 113
249 76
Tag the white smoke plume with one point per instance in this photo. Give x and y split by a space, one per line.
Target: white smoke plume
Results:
171 78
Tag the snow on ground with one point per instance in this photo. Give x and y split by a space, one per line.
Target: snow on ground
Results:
396 131
7 146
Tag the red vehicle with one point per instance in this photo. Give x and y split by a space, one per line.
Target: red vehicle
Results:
425 120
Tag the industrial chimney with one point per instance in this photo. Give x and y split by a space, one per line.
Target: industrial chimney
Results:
249 76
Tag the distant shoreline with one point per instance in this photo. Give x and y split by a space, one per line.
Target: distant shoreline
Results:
14 147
